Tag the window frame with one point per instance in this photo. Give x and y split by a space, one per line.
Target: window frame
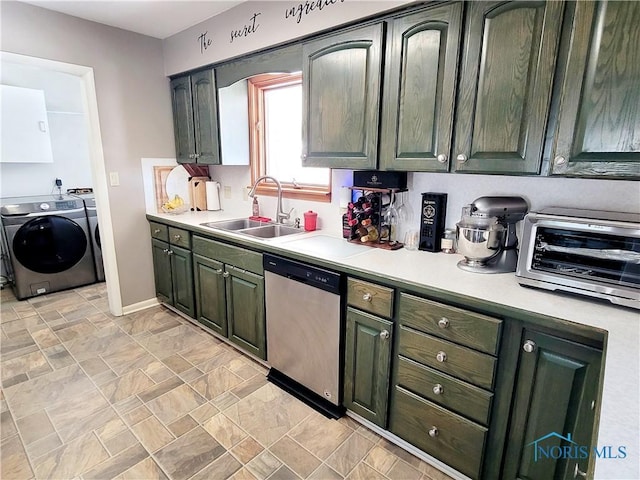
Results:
256 86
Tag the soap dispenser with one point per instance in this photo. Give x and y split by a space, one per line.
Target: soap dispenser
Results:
255 207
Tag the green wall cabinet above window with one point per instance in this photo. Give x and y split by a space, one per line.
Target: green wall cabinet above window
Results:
341 81
195 118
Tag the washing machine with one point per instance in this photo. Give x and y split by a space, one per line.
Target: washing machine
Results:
48 244
89 200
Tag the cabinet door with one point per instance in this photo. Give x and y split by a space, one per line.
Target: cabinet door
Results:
245 310
182 277
598 132
210 296
183 119
205 117
341 99
162 270
367 365
505 86
555 393
419 89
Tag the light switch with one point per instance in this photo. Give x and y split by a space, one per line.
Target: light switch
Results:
227 191
114 179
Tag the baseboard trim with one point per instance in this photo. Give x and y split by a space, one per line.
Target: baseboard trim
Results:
136 307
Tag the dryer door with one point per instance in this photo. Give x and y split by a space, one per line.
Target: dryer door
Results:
49 244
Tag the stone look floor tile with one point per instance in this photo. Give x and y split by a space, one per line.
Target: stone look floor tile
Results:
151 396
71 459
349 454
152 434
295 456
189 454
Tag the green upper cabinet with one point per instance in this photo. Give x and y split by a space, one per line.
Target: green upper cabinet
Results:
505 86
556 390
195 118
598 130
419 93
341 99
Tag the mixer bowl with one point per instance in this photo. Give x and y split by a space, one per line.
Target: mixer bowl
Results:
479 245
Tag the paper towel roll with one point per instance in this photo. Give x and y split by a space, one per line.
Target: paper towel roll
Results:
213 196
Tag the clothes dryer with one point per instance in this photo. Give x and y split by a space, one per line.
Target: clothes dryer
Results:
48 244
89 200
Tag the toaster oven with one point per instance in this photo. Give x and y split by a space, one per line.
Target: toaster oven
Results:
588 252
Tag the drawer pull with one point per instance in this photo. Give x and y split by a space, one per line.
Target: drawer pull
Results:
441 357
443 322
177 237
529 346
166 250
226 274
156 231
433 432
438 389
169 252
367 297
219 271
384 334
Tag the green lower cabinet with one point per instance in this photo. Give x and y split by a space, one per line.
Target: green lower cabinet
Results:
210 293
162 270
367 365
182 280
245 310
173 274
556 389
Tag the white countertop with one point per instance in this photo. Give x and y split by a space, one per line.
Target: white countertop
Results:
620 410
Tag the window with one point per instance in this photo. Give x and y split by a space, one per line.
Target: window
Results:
275 126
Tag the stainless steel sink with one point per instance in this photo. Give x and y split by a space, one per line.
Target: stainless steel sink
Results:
235 224
253 228
271 231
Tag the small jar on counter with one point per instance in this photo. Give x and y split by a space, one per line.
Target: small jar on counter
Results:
448 242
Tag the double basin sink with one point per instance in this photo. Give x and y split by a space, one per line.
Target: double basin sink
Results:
254 228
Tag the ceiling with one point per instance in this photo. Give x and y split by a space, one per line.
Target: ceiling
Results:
155 18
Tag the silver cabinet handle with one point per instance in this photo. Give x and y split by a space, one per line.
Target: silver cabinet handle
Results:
443 322
192 155
303 156
577 472
438 389
384 334
166 250
441 357
226 274
367 297
169 252
156 231
462 158
219 271
433 432
442 158
529 346
177 237
559 160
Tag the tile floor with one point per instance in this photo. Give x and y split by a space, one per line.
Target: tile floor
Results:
86 395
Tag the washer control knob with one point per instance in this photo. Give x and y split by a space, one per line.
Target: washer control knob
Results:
45 206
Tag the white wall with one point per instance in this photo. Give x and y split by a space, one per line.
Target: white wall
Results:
68 128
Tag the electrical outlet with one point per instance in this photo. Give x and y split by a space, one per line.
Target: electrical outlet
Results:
114 179
245 194
227 191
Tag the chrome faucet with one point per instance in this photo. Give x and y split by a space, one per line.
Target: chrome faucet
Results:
280 214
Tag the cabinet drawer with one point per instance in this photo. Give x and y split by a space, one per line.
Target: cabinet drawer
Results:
461 326
232 255
159 231
179 237
460 362
461 397
370 297
450 438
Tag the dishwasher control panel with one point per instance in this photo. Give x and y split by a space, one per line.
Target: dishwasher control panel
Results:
301 272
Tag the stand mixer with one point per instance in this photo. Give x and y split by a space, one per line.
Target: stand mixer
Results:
486 234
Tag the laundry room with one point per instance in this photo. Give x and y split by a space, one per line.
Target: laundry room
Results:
45 156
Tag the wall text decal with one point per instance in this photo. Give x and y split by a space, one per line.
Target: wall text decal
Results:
247 29
204 41
307 7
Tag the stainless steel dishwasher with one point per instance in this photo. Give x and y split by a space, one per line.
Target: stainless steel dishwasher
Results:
303 306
